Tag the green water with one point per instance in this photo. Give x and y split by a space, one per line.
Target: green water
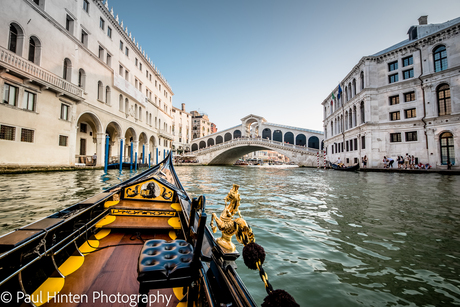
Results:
331 238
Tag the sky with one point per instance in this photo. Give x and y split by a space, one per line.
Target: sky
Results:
278 59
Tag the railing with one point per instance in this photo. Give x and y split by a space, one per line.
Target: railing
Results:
12 59
166 134
257 141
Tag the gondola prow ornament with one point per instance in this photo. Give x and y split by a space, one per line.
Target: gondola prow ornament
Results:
229 226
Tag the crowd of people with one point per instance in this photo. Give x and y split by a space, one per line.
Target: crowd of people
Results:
406 162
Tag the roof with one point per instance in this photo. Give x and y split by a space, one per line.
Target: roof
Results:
422 31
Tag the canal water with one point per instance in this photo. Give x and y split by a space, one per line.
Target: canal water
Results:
332 238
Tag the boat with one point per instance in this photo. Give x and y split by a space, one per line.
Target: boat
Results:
143 241
346 168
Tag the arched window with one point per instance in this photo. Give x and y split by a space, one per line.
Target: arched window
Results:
107 95
354 87
219 139
447 148
67 72
127 110
301 140
313 142
349 91
267 134
332 128
346 121
81 78
443 94
34 50
289 138
350 119
100 88
277 136
120 103
355 122
210 142
440 58
362 80
236 134
228 137
194 147
202 144
346 94
361 108
15 40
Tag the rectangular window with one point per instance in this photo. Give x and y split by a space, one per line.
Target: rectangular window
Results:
147 73
69 24
101 53
395 116
140 66
136 61
410 113
29 101
27 135
84 38
63 140
409 96
126 75
393 78
363 142
408 61
346 146
109 32
395 137
394 100
411 136
83 128
393 66
7 133
65 112
101 23
407 74
109 60
121 45
120 70
126 51
86 6
355 141
10 94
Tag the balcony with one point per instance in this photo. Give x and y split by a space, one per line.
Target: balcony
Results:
28 70
165 134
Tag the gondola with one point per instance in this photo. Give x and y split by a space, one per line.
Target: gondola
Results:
347 168
143 241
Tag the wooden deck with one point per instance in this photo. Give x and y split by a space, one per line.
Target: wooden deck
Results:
108 276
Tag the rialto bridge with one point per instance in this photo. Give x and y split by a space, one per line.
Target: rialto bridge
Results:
254 133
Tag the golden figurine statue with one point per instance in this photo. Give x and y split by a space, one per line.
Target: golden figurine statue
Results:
229 226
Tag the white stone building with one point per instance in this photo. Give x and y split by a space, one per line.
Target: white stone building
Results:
182 123
404 99
70 74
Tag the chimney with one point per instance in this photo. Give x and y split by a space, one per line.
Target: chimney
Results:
423 20
183 107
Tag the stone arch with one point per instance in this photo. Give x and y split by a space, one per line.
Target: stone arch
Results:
267 134
113 130
141 147
236 134
219 139
447 147
278 136
89 126
313 142
202 144
210 142
130 138
301 140
152 151
289 137
227 137
194 147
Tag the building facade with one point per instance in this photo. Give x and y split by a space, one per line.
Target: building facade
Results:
201 126
71 75
404 99
182 123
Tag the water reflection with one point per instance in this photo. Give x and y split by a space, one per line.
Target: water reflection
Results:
332 238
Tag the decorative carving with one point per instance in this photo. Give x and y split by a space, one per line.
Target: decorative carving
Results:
229 226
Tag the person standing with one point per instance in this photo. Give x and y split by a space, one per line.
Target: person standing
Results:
412 162
365 161
407 161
